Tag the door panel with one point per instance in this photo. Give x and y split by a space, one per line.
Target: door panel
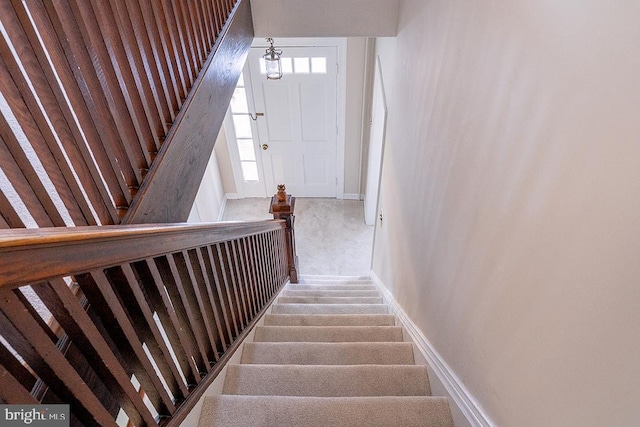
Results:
313 112
298 130
278 110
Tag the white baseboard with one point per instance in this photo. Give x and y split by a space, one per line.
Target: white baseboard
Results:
467 404
233 196
351 196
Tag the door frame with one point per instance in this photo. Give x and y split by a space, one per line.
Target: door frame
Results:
340 43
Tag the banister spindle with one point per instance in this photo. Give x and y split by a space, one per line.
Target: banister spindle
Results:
219 295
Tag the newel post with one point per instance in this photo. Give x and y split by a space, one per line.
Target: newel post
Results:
282 207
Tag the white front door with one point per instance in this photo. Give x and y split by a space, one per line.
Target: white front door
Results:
298 132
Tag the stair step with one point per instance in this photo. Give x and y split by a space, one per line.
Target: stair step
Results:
321 287
310 278
330 300
328 334
327 380
329 309
356 353
329 320
277 411
329 293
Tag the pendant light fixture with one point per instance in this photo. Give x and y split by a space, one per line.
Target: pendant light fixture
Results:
272 61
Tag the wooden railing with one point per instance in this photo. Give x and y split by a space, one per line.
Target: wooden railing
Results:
137 319
92 95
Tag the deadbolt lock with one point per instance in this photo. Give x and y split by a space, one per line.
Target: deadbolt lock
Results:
265 147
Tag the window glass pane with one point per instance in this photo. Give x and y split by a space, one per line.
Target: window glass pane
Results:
287 65
242 125
250 171
239 101
319 65
301 65
246 150
241 80
263 66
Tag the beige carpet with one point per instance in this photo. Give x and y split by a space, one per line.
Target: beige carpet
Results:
328 354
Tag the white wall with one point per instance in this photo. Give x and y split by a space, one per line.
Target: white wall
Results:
326 18
511 192
210 199
356 55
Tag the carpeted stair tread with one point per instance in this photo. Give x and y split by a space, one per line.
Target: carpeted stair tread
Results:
328 287
328 353
329 293
277 411
334 279
330 300
328 334
327 380
307 353
329 320
330 309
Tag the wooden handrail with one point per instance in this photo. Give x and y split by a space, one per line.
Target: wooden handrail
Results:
167 304
61 251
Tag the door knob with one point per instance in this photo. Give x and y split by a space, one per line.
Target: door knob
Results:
265 147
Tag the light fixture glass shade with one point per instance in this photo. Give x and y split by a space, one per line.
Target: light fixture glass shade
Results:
274 69
272 62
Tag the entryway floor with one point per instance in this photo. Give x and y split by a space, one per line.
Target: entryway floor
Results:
331 236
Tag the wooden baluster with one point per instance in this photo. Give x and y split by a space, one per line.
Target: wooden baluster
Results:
171 324
194 17
220 295
50 97
100 123
207 21
12 390
264 266
232 303
198 281
185 290
149 43
16 374
99 287
169 51
135 298
143 69
246 265
276 258
172 283
255 271
267 265
220 18
34 344
231 277
40 206
134 131
185 40
82 331
281 256
237 279
213 303
269 260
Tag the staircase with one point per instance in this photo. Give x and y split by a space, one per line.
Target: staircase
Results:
328 354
